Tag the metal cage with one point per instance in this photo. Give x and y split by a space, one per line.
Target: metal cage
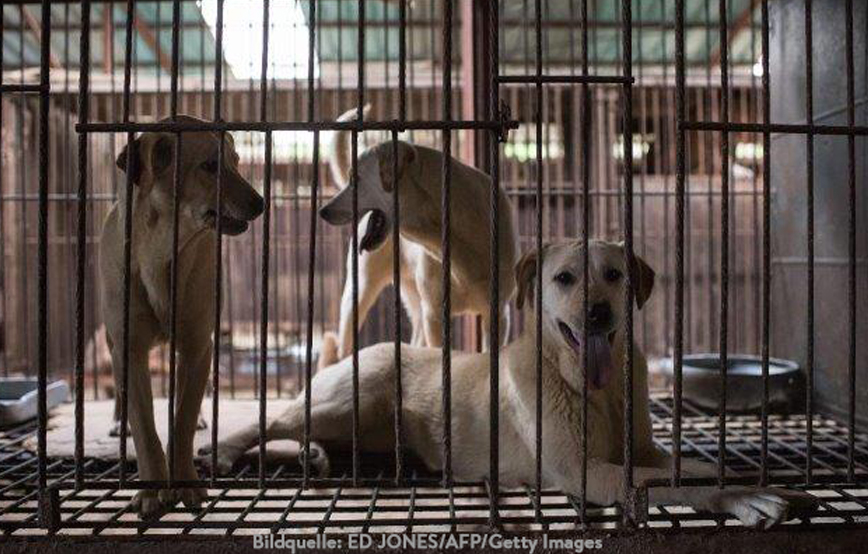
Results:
633 123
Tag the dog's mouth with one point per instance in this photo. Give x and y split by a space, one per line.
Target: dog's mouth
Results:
375 231
228 224
599 370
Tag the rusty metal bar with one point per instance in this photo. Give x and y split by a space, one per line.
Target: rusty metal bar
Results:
218 247
42 276
446 227
81 238
809 170
766 215
266 250
176 211
494 288
264 126
724 240
680 178
538 89
627 115
851 282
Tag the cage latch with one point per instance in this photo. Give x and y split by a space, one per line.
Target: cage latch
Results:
504 117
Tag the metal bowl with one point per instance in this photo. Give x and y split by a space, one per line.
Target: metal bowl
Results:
19 399
701 382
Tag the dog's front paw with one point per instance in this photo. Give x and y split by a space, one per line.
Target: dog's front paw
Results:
193 498
763 507
319 460
226 458
152 504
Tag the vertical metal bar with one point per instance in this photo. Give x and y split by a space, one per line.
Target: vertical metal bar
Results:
3 293
396 241
539 248
42 298
627 41
266 250
446 224
218 246
766 271
81 236
308 370
724 238
680 175
176 210
586 233
851 170
360 94
494 290
123 397
809 146
311 263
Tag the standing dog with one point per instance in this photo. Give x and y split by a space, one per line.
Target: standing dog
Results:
419 184
562 388
151 168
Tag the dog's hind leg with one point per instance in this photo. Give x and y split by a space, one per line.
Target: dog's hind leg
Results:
429 283
375 272
331 414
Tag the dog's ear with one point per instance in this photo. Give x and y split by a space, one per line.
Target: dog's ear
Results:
147 158
643 281
525 273
406 156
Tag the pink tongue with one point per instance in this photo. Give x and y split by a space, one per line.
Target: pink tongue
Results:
599 361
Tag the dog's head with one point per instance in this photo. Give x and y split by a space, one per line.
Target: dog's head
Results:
149 160
376 181
563 303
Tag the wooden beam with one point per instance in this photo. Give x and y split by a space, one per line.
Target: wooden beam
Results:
742 22
147 33
108 52
36 30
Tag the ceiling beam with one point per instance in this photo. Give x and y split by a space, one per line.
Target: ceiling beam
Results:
742 22
35 29
108 39
147 33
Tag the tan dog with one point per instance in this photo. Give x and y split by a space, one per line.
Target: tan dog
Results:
562 384
152 171
419 182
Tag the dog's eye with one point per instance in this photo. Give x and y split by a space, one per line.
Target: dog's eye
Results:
612 275
210 166
565 278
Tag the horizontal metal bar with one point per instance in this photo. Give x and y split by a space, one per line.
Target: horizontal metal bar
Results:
26 88
266 126
567 79
781 128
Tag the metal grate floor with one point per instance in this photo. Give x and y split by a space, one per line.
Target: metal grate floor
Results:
100 508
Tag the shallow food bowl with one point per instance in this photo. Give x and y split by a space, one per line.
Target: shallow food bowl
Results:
19 399
744 385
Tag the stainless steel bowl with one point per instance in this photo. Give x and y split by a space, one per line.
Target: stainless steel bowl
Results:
701 382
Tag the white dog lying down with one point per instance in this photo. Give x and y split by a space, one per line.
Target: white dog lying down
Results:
421 267
562 313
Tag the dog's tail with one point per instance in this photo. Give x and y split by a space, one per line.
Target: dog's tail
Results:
328 351
340 153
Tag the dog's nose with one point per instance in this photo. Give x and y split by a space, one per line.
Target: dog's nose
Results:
258 205
600 316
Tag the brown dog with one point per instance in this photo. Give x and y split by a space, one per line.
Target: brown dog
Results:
150 164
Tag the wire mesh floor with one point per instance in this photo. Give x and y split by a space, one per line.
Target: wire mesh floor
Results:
98 509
